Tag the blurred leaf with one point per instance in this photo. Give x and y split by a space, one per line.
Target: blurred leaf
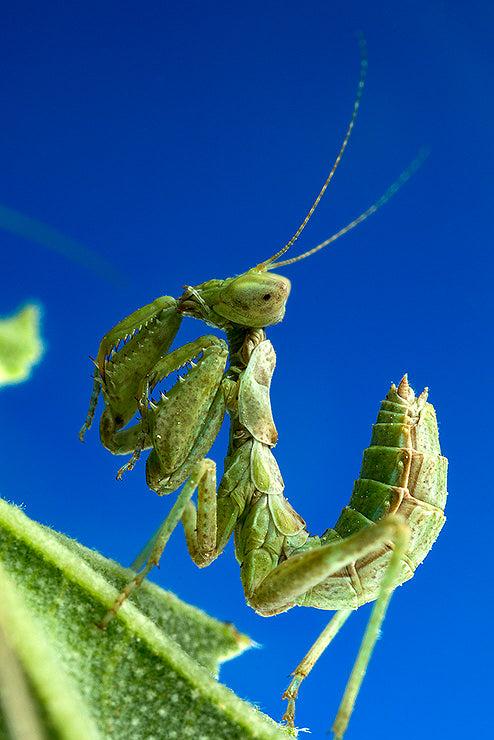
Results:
150 675
20 344
40 233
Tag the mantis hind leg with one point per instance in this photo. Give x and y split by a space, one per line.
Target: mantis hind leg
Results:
308 662
280 589
371 634
303 571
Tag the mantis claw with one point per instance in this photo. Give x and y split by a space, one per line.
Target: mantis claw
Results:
129 465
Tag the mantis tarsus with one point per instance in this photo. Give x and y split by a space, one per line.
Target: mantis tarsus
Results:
396 509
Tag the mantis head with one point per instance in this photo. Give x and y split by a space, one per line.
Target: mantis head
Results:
254 299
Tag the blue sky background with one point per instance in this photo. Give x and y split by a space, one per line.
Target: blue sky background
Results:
185 141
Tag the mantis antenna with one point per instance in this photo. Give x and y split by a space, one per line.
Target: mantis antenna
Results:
356 106
401 180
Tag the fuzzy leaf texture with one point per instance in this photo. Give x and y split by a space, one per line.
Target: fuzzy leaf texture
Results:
20 344
150 675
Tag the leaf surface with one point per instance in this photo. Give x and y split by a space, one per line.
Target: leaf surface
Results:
150 675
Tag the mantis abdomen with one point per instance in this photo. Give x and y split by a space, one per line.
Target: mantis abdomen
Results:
404 473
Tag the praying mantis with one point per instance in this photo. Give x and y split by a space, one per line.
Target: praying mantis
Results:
396 509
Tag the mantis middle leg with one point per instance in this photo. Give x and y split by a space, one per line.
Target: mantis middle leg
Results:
154 549
181 428
389 530
202 544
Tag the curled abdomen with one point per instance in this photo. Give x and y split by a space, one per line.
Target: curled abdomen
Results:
402 472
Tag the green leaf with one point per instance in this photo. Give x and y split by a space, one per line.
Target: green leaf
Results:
20 344
149 675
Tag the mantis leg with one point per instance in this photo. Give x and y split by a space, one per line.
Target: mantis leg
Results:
295 576
283 585
371 635
141 435
159 541
200 525
209 527
307 664
93 402
133 323
166 365
125 355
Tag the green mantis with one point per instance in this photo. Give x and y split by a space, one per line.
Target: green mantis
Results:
396 510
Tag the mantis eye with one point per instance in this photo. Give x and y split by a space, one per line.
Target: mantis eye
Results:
254 299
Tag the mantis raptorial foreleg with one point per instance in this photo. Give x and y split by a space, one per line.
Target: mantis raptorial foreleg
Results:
125 355
161 370
200 525
134 322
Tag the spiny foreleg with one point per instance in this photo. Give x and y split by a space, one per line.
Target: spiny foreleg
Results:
125 355
162 369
